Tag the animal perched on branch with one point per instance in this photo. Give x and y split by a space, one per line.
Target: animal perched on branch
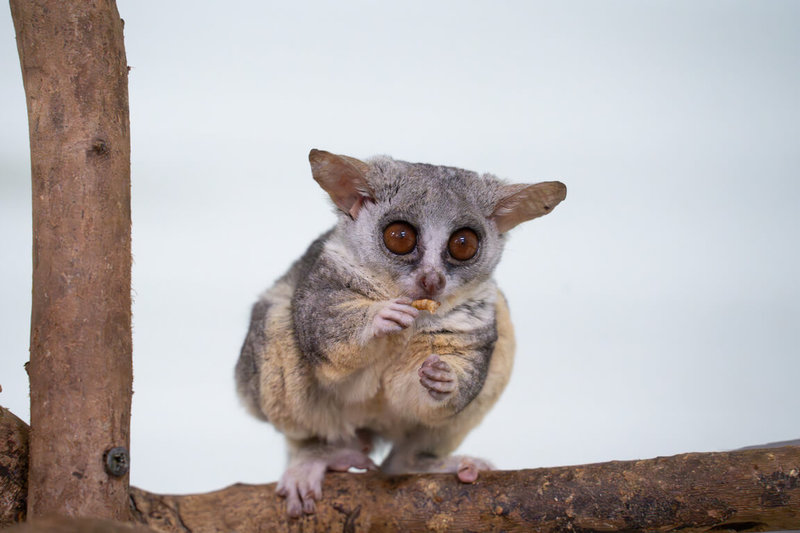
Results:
390 326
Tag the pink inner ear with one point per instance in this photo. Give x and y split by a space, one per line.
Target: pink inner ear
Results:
343 178
358 204
527 203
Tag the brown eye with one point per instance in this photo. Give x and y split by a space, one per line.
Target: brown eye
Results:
400 237
463 244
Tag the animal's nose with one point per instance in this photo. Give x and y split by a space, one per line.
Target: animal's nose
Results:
432 281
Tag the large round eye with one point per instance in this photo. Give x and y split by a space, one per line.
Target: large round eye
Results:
463 244
400 237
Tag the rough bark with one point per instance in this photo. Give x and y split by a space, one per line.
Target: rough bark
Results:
747 490
75 77
63 524
756 490
13 468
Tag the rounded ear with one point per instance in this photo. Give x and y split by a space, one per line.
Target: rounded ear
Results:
343 178
526 202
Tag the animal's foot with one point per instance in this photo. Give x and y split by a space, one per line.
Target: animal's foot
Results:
393 316
468 467
465 467
437 377
301 484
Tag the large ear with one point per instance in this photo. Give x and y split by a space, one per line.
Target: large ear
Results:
343 178
526 202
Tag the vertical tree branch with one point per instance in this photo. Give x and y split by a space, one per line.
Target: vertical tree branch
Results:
76 85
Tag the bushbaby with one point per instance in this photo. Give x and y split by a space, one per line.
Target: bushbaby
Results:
337 357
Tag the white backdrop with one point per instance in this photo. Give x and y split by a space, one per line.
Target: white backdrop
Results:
657 308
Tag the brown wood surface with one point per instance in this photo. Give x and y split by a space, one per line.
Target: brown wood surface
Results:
63 524
75 77
13 467
755 490
746 490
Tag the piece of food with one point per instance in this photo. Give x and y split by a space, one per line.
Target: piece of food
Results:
426 305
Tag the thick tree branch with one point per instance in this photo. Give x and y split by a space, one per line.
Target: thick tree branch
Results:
76 85
748 490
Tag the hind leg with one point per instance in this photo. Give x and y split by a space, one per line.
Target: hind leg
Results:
428 449
406 460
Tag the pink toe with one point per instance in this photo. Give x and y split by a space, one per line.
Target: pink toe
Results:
294 508
468 473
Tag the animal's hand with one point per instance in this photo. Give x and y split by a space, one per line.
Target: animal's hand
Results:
393 316
437 377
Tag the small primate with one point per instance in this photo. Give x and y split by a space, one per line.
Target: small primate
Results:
390 327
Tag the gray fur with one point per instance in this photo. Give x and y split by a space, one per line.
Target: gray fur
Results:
434 199
247 368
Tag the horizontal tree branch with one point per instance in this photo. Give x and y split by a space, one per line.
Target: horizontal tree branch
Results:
753 490
747 490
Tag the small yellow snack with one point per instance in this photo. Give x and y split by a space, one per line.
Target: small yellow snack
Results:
426 305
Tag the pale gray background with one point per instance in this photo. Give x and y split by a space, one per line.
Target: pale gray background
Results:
657 308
